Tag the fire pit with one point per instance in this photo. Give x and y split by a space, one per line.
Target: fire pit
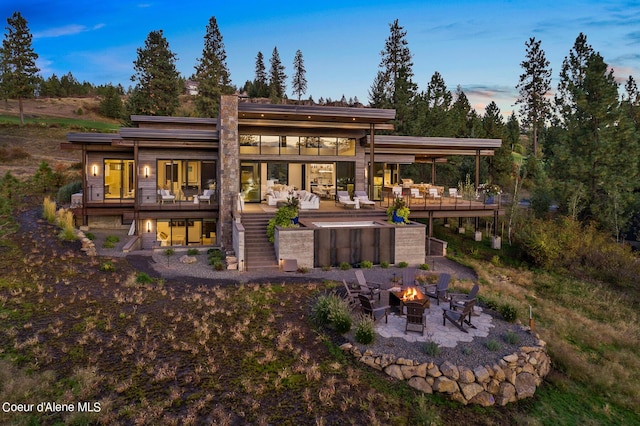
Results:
413 294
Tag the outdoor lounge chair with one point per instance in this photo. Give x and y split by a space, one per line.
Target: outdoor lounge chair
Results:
459 317
415 316
345 199
165 195
439 290
408 277
352 295
415 193
457 300
369 308
433 193
453 193
363 199
206 195
368 288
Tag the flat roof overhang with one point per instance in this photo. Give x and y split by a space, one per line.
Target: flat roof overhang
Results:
432 146
305 116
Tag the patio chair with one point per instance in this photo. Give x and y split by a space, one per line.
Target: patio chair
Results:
459 317
439 290
206 195
457 300
345 200
368 288
433 193
165 195
415 316
352 295
415 193
363 199
453 193
408 277
369 308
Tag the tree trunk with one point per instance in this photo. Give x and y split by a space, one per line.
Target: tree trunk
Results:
21 108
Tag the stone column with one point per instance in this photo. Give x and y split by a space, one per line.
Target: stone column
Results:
228 168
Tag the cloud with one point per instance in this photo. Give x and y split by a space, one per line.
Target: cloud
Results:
67 30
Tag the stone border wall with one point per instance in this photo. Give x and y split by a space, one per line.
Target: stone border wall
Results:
510 379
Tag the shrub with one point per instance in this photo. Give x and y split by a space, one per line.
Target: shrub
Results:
366 264
65 222
467 351
143 278
283 218
49 210
334 310
193 252
344 266
402 264
384 265
326 268
90 236
107 266
424 266
492 345
495 260
431 348
511 337
508 312
365 332
64 193
303 270
218 265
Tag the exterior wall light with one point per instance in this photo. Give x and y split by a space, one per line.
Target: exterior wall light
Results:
148 226
94 170
146 172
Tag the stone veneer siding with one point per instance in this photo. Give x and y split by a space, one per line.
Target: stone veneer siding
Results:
510 379
410 243
228 168
295 243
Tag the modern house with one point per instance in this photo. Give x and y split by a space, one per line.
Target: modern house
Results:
179 181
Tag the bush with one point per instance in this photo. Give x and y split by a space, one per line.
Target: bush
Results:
384 265
402 264
64 193
508 312
344 266
492 345
424 266
193 252
90 236
49 210
65 222
365 332
143 278
218 265
366 264
332 310
511 337
283 218
431 348
107 266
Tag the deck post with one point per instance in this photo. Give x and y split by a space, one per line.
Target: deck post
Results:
372 163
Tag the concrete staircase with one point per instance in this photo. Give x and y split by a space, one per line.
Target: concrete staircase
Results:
259 252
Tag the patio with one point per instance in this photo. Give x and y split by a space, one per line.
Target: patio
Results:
445 336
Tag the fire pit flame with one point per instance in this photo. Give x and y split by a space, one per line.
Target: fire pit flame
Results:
412 293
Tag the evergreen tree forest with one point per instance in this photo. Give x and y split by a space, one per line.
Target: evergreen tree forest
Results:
576 152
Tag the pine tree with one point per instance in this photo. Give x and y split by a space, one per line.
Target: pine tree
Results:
157 80
212 73
18 62
598 152
393 86
534 85
493 127
433 109
512 131
111 104
261 83
277 77
299 77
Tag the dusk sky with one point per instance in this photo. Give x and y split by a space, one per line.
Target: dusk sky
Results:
477 45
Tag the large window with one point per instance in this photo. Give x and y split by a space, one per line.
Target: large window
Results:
119 179
186 178
297 145
184 232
